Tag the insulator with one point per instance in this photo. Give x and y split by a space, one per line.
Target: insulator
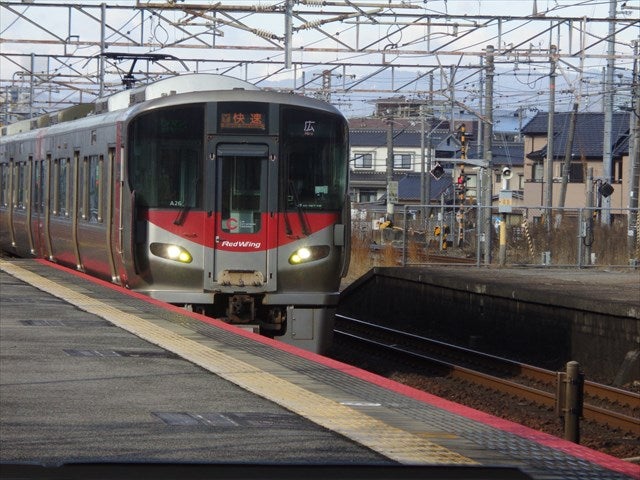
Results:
313 24
263 8
263 33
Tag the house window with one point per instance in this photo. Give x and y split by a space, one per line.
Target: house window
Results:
576 172
537 172
402 161
617 171
368 195
363 160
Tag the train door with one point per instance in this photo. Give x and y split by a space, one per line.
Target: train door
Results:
12 200
241 245
36 206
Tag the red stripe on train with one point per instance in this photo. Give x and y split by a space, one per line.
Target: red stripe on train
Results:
199 227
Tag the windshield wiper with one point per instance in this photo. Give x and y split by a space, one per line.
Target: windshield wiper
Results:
182 214
301 215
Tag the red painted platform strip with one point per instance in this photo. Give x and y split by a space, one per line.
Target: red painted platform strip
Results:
570 448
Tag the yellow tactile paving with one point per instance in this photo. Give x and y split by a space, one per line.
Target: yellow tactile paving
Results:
387 440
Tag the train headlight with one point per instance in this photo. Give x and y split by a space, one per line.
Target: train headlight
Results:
309 254
171 252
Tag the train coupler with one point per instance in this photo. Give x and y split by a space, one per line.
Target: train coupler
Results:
241 309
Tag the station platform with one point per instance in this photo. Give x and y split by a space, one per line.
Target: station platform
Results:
542 316
95 378
609 292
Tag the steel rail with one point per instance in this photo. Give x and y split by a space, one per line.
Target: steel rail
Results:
541 397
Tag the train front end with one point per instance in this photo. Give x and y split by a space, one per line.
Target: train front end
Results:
239 209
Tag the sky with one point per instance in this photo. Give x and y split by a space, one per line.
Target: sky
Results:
235 44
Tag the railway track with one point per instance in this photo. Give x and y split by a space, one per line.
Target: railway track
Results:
448 259
603 404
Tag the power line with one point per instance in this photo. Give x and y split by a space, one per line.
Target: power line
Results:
376 43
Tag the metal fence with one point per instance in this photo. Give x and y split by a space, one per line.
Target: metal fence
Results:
532 236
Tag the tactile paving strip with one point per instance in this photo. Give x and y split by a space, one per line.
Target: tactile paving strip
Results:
390 441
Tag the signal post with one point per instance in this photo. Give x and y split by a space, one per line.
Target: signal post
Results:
461 184
504 207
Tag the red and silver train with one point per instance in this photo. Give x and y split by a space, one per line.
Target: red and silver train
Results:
198 190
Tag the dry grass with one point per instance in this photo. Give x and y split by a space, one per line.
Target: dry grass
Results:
525 246
608 244
364 257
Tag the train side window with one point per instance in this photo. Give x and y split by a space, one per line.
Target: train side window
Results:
26 183
20 184
55 186
4 184
13 168
47 172
75 184
68 192
35 186
82 188
94 188
63 187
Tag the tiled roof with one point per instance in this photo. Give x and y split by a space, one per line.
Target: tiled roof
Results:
402 139
408 183
409 187
589 134
509 154
506 154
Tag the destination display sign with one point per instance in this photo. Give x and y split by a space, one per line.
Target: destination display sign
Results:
242 117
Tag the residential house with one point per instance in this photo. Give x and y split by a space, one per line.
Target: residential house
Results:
411 168
368 177
586 153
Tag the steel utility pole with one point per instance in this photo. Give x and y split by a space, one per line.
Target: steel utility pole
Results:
607 161
389 165
485 193
568 148
103 47
427 185
634 159
423 169
548 170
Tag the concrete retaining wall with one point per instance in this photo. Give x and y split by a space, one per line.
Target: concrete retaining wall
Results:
546 327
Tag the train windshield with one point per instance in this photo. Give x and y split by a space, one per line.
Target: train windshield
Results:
314 154
165 157
242 186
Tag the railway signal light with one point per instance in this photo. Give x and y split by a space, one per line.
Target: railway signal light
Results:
437 171
461 185
605 189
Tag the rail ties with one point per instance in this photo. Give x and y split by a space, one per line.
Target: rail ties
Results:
527 382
